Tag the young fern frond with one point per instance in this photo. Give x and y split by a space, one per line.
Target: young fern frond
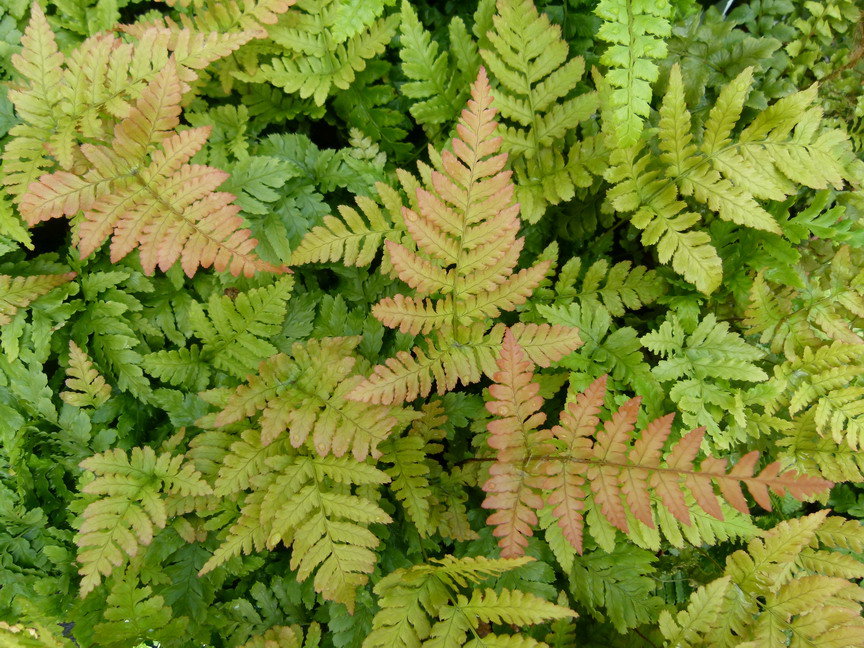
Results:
148 197
19 292
529 60
424 604
355 238
133 491
439 88
574 464
465 228
635 31
84 386
234 16
787 584
784 146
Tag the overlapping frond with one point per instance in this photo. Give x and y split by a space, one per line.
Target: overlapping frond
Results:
424 604
827 305
307 503
150 198
19 292
575 465
786 145
131 506
529 60
353 239
67 101
304 394
786 585
323 46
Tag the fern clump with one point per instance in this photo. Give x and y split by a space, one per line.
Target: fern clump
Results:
590 373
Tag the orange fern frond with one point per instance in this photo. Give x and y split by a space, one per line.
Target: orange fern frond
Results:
624 476
142 193
515 477
465 226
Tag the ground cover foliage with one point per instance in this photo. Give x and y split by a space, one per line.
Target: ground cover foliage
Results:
368 323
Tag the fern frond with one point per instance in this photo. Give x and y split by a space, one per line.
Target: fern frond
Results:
465 227
307 503
701 364
167 208
235 331
85 387
306 394
785 145
352 239
775 591
529 60
19 292
133 614
131 506
828 305
636 33
514 479
574 463
40 62
433 86
423 604
323 50
235 15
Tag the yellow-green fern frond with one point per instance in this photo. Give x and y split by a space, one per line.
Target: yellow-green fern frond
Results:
528 59
131 506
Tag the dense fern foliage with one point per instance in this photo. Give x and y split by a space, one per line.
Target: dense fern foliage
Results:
415 324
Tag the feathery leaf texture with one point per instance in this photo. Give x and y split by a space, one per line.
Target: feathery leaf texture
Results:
786 145
635 30
64 101
234 16
132 504
465 228
19 292
322 47
351 239
439 89
423 604
822 386
307 503
529 60
828 305
786 585
85 387
304 394
575 464
148 197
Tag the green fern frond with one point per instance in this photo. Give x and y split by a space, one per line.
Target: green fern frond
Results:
529 60
324 44
424 604
234 332
635 31
784 146
19 292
